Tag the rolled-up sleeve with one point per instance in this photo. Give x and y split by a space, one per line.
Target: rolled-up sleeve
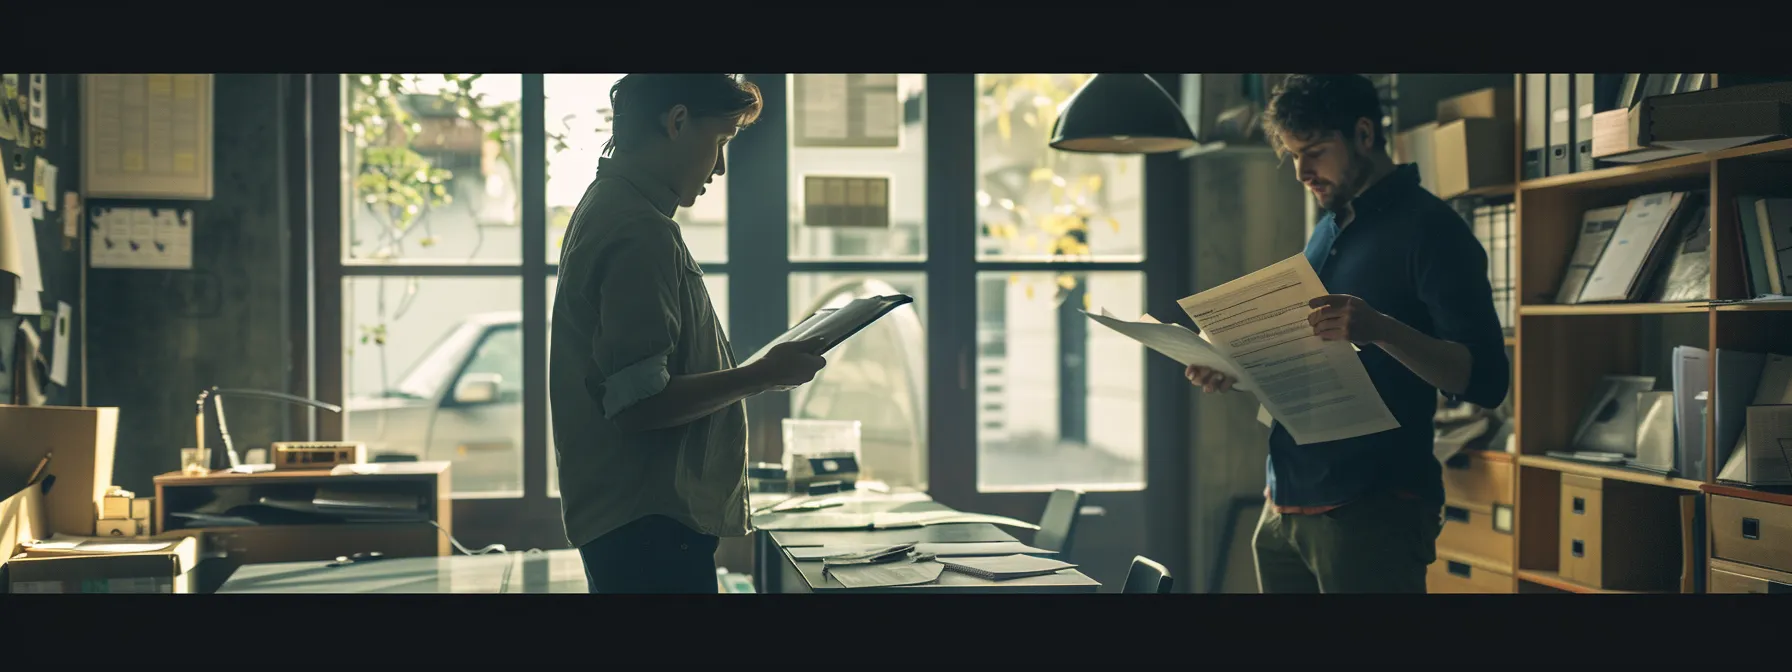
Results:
637 294
1451 274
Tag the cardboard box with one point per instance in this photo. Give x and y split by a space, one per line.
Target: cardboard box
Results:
21 520
119 528
80 441
1415 145
166 570
1489 103
1472 153
1614 139
115 508
143 509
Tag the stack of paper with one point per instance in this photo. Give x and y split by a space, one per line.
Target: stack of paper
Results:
887 574
871 556
64 544
1002 568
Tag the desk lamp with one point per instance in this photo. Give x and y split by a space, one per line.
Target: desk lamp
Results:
1122 113
217 395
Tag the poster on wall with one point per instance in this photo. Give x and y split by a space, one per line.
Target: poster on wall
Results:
147 136
160 238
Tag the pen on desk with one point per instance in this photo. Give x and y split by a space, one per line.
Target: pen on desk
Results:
39 471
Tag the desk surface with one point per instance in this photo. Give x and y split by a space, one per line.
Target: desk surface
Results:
807 575
558 571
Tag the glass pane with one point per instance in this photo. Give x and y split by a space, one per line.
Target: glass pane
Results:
577 118
718 296
1037 203
858 167
1044 372
435 372
878 377
431 171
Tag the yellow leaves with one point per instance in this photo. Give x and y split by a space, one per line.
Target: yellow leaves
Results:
1092 182
1086 303
1042 175
1029 291
1005 126
1114 224
1066 281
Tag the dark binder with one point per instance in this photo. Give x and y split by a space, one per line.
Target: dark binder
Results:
1536 121
1586 93
835 325
1561 125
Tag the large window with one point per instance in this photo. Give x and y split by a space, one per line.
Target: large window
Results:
1043 376
457 190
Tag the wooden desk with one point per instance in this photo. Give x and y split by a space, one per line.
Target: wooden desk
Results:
785 574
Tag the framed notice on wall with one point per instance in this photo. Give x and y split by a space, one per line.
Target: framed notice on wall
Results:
147 136
846 202
846 110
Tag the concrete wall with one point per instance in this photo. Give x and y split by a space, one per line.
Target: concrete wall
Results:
1247 212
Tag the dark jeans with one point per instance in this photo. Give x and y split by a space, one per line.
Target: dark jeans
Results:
654 554
1381 544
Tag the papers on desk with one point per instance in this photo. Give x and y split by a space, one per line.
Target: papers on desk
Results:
1002 568
941 550
65 544
885 520
1318 390
871 556
886 574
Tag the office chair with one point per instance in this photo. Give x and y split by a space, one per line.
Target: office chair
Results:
1146 576
1058 524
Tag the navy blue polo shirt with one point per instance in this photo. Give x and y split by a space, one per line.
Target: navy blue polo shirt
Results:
1412 257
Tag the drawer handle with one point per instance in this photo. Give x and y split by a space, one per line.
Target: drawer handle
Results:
1580 506
1456 514
1459 569
1751 528
1579 548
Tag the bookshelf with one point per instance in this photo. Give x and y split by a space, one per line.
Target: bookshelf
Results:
1560 352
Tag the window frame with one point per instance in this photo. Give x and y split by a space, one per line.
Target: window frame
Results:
759 269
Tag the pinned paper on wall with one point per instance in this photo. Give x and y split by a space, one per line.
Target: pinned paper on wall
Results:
40 187
71 219
46 180
142 238
59 356
19 256
40 117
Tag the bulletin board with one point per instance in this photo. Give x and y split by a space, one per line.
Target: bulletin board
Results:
147 136
40 151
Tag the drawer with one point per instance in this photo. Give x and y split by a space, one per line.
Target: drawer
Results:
1582 538
1735 578
1472 478
1476 530
1449 576
1751 532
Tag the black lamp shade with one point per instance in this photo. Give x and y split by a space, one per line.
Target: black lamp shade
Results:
1122 113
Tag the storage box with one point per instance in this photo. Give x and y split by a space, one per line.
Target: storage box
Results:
1476 530
1618 535
162 571
1737 578
21 520
1472 478
122 527
1472 153
1614 139
1414 145
80 441
1453 576
1752 532
1490 103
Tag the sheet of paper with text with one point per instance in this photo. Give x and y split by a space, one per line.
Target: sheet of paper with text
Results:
1316 389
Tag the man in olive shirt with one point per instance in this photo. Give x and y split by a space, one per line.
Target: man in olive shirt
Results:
648 419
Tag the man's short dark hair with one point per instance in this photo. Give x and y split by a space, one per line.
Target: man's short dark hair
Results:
1319 104
637 101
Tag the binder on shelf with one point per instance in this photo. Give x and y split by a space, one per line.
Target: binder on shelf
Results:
1561 127
1586 93
1536 124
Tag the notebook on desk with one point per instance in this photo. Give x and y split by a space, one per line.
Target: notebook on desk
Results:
1002 568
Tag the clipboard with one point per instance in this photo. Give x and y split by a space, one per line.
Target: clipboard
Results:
835 325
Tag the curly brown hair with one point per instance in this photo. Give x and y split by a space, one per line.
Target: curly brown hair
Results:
1307 104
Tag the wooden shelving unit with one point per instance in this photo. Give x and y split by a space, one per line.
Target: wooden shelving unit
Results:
1560 352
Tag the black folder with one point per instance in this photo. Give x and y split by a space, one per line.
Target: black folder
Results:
835 325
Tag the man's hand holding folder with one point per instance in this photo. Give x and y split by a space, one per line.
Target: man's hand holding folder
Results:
791 363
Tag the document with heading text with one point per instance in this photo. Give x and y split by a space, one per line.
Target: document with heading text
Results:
1316 389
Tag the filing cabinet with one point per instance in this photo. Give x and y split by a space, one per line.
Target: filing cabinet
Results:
1734 577
1472 477
1751 532
1479 530
1617 535
1454 575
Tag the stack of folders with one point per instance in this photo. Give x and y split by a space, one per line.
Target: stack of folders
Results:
1654 248
1493 227
1005 567
871 557
1765 226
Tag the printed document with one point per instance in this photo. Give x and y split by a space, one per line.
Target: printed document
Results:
1318 390
1176 342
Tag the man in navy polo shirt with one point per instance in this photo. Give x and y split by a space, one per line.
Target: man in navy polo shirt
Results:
1411 290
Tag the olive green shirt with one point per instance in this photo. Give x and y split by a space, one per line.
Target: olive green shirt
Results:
630 312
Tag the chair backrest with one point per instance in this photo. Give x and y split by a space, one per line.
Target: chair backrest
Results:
1146 576
1058 524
